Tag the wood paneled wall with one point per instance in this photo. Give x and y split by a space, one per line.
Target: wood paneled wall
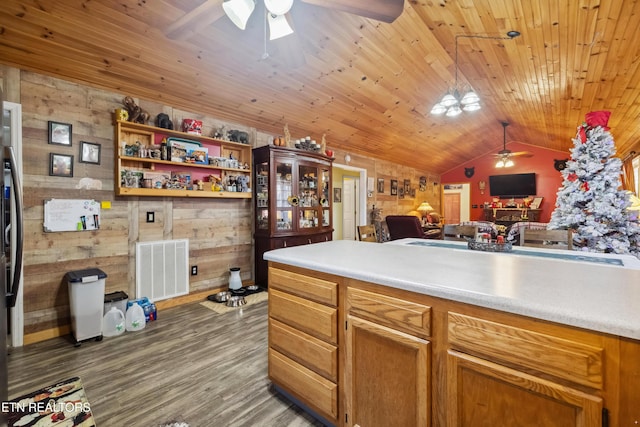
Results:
219 230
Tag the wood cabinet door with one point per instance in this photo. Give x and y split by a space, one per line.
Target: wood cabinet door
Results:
485 394
386 376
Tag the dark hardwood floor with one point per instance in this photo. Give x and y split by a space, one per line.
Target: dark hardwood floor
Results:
191 365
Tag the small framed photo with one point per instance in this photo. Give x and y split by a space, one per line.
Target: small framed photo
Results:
394 187
60 133
537 201
61 165
337 195
380 185
89 152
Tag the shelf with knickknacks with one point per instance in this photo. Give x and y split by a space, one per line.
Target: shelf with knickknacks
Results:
153 161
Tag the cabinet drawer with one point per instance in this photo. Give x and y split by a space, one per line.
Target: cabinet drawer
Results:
309 351
562 358
319 290
308 316
398 314
317 392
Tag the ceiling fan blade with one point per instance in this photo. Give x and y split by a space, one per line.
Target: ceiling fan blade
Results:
380 10
198 18
522 154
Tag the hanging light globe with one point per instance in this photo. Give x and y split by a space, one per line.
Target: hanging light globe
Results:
470 98
438 109
472 107
448 100
453 111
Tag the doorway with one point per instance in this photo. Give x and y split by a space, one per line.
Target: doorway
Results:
356 206
350 208
456 203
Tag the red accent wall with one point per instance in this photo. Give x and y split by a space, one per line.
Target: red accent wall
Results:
548 180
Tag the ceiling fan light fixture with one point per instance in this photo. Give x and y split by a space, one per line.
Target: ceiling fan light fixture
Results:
278 26
278 7
505 162
239 11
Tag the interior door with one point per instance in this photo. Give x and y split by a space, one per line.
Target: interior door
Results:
349 207
452 208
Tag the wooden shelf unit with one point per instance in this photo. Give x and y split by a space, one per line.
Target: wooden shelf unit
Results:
129 133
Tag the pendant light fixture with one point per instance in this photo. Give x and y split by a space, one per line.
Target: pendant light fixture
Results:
457 100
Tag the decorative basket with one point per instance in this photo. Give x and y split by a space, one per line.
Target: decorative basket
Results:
490 246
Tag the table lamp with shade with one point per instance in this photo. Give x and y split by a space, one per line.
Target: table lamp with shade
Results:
425 208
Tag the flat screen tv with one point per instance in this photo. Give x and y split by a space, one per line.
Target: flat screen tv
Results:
512 185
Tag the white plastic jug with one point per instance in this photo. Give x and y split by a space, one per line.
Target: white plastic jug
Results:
135 319
113 323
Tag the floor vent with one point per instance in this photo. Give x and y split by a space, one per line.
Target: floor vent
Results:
162 269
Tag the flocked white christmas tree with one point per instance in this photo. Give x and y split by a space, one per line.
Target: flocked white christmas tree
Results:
590 200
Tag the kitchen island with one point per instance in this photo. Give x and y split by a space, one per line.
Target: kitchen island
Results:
414 334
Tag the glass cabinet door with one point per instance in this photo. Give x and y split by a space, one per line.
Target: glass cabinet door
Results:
262 196
309 200
285 199
325 199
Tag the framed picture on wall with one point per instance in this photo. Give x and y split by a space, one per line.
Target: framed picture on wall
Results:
337 195
60 133
536 203
89 152
394 187
61 165
380 185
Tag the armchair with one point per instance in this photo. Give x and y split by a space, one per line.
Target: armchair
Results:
404 226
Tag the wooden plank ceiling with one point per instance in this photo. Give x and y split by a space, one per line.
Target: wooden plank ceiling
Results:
368 85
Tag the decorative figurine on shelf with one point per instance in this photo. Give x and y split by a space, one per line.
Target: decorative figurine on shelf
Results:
243 183
220 133
163 121
287 136
323 143
238 136
136 114
215 183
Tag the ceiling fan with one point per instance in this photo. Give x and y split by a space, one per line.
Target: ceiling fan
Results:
504 156
239 11
277 15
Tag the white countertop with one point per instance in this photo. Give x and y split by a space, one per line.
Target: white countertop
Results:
594 296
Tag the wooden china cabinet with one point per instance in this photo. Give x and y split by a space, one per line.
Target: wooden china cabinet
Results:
291 199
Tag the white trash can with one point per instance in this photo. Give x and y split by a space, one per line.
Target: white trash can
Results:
86 303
